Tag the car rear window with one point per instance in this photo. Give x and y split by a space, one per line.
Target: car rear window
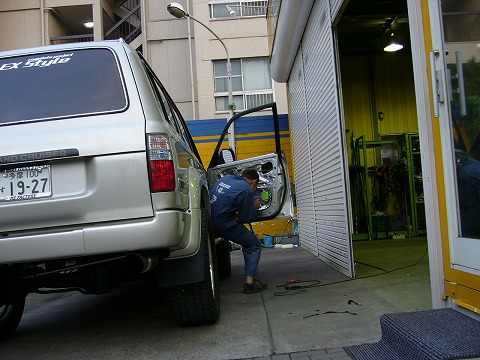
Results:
60 84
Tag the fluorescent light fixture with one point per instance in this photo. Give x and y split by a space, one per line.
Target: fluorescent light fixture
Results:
88 24
392 44
393 47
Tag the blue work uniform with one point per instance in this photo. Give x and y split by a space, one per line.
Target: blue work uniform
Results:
231 200
468 178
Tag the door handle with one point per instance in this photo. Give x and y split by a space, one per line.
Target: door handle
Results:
437 83
461 83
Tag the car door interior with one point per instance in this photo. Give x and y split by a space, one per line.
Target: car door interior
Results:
273 188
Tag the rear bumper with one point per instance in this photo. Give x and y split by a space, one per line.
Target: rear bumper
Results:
173 230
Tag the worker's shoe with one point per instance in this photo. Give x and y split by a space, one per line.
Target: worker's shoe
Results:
256 287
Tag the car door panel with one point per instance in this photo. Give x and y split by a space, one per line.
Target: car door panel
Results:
274 184
273 187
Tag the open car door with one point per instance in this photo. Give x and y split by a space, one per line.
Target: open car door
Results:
274 183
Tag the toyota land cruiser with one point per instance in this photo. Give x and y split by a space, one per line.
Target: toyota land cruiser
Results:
101 182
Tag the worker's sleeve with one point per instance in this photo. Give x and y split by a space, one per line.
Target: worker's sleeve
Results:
247 211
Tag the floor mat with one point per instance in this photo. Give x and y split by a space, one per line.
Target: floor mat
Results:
440 334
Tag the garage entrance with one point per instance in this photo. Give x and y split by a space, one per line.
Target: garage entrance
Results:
355 129
380 124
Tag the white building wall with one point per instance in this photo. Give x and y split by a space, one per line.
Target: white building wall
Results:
20 24
243 37
187 71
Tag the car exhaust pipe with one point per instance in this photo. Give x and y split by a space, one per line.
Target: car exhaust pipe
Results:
139 263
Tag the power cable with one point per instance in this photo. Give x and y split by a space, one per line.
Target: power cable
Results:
293 285
316 283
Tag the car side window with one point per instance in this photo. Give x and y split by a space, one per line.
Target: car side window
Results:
180 124
159 96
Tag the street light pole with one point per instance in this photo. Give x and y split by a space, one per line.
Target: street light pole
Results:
178 11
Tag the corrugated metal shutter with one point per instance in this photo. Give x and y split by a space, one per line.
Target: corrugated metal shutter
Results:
301 156
336 6
317 144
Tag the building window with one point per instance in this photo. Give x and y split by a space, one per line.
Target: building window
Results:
224 9
251 83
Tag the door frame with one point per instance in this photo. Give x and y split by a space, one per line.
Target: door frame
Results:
420 32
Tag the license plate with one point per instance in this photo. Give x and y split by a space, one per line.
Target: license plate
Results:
25 183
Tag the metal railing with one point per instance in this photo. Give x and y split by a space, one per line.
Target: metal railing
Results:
257 99
237 9
70 39
128 28
126 6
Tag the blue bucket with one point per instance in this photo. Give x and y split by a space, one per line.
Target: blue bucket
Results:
268 241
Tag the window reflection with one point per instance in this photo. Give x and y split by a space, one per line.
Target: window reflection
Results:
462 41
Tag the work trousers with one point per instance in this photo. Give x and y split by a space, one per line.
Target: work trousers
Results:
249 242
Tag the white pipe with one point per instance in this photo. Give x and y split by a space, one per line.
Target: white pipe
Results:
291 24
194 112
143 9
42 14
231 129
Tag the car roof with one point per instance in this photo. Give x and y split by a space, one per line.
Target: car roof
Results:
116 45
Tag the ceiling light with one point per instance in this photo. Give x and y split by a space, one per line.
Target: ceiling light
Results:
392 44
88 24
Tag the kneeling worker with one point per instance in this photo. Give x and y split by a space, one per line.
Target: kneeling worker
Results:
233 205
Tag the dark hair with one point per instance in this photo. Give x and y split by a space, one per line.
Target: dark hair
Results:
250 174
460 157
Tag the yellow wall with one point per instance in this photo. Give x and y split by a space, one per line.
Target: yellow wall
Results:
395 93
378 84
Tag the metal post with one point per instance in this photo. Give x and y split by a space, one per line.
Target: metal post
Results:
231 130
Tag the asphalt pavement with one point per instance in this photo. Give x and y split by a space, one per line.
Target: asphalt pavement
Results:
309 311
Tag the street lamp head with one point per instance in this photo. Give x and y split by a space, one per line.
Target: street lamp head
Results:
177 10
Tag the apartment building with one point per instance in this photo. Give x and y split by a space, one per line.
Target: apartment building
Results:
187 57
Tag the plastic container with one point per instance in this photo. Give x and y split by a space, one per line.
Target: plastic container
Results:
268 241
285 246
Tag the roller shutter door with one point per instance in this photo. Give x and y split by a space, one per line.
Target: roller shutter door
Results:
300 146
317 146
336 6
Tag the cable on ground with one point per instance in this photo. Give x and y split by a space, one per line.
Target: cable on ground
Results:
298 289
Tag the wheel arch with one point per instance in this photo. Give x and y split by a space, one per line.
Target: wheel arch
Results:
187 270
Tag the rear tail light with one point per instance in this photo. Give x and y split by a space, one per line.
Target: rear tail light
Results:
160 163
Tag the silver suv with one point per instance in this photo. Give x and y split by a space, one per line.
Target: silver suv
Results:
101 182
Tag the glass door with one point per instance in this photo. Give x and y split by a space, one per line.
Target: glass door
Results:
457 88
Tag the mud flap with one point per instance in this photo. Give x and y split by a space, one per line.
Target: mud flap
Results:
183 271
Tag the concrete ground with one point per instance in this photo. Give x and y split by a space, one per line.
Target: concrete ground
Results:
329 311
312 318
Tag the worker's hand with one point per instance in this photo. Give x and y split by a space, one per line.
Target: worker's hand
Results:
256 202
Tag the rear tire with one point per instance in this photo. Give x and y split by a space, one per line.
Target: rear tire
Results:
199 303
10 316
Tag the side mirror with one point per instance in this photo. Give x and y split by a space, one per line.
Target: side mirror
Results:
226 156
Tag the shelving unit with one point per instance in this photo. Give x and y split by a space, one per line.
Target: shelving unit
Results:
410 197
411 147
